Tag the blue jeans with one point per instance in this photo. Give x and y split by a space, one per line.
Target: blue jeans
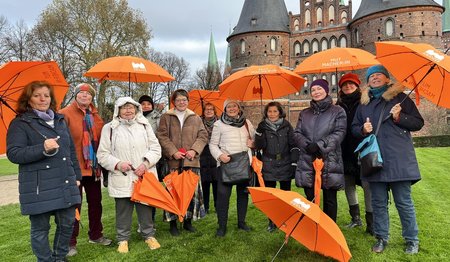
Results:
40 226
401 192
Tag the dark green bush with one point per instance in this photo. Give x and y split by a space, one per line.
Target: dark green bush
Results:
432 141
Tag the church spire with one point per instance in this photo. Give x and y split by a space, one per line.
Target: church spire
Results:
213 64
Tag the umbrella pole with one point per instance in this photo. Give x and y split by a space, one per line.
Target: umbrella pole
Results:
260 94
288 235
278 252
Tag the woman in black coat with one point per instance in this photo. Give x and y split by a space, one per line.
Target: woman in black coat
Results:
319 134
274 137
39 141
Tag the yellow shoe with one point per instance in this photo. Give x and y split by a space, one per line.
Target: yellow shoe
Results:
152 243
123 247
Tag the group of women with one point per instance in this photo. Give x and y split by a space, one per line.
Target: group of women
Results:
40 142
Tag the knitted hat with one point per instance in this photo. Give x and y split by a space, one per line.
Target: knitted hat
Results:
84 87
350 77
228 101
322 83
146 98
376 69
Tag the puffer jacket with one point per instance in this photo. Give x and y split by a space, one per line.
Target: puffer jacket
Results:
276 150
394 139
325 124
132 141
46 183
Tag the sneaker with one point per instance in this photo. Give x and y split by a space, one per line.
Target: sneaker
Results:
412 247
152 243
101 241
379 246
271 227
123 247
72 251
355 223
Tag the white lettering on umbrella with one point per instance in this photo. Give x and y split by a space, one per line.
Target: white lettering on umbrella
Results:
434 56
297 202
138 66
335 62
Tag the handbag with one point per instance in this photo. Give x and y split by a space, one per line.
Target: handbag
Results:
369 156
237 170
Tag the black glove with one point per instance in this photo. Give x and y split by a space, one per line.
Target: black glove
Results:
313 149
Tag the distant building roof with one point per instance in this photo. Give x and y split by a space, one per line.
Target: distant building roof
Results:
213 63
446 16
369 7
262 15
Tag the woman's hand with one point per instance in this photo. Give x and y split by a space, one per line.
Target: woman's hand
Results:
250 143
190 154
51 144
140 170
367 127
124 166
178 155
224 158
395 111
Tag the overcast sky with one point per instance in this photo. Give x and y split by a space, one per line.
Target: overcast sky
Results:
178 26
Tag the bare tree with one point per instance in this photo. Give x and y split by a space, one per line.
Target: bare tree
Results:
15 42
207 78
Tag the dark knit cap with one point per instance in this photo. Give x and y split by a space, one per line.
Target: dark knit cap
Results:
322 83
146 98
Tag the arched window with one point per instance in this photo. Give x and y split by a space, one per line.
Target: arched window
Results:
315 46
297 48
306 48
357 36
389 27
324 44
319 15
333 79
331 14
296 25
242 46
343 41
273 44
344 17
307 18
333 42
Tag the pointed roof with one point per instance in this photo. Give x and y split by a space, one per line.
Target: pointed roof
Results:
212 57
369 7
446 16
262 15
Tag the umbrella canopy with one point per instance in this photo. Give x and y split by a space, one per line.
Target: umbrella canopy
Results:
261 82
198 98
336 59
14 77
420 67
129 68
302 220
257 166
149 191
181 187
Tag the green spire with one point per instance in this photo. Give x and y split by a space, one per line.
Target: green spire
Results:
228 59
213 64
341 2
446 16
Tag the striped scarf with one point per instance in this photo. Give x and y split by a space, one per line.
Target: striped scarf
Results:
90 144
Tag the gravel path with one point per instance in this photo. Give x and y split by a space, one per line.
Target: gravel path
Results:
9 190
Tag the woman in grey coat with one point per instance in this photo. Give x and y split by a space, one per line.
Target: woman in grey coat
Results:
319 133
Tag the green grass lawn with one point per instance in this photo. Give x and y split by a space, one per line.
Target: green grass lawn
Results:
7 168
430 195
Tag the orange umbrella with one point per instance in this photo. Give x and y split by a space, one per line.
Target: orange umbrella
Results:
302 220
318 165
257 166
14 77
420 67
182 188
336 59
261 82
149 191
128 68
198 98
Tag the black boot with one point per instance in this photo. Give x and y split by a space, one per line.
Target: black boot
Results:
187 225
271 227
243 226
369 222
174 228
356 218
221 231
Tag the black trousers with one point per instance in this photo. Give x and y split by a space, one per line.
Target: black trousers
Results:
284 185
223 202
329 201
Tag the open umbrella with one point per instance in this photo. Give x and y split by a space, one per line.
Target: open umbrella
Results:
128 68
336 59
318 165
181 187
420 67
302 220
198 98
14 77
261 82
257 166
149 191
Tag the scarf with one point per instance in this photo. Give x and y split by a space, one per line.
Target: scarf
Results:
90 144
378 92
145 113
322 105
274 125
236 122
46 116
209 123
350 100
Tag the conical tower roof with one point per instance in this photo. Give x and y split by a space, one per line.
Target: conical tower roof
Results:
369 7
446 16
213 64
262 15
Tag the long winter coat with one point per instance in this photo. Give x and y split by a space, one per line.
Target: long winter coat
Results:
46 183
394 139
324 124
193 136
132 141
276 150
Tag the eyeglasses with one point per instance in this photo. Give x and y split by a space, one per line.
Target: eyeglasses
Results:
128 107
180 100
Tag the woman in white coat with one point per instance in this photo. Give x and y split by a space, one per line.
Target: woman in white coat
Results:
128 147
